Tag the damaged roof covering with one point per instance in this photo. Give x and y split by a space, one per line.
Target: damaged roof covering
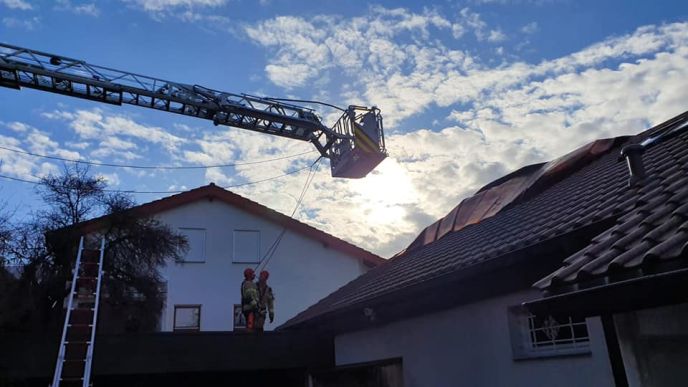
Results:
541 207
511 189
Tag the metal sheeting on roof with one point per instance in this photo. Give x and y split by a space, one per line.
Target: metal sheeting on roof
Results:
510 189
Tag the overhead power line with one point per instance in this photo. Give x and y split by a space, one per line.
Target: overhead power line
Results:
167 167
168 192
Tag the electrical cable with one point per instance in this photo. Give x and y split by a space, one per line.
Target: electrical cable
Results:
165 167
273 248
169 192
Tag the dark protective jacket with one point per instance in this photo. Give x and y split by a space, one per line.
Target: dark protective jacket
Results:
266 301
249 296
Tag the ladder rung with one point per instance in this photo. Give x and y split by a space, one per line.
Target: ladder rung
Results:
71 382
81 316
89 270
90 253
86 282
78 333
76 351
73 368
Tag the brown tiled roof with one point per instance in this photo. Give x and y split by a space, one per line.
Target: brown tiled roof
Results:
592 193
211 191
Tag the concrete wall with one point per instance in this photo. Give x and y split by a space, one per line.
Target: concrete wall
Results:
302 271
654 346
470 346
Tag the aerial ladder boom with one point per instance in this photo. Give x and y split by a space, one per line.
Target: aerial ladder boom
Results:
355 144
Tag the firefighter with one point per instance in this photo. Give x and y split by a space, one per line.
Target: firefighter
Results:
249 298
266 301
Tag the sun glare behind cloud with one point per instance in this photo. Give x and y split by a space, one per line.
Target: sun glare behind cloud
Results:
385 192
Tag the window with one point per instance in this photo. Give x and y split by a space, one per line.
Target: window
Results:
196 239
187 318
246 246
540 336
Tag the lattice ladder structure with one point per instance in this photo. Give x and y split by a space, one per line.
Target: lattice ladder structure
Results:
75 357
355 145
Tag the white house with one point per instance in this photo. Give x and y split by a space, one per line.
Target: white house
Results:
228 233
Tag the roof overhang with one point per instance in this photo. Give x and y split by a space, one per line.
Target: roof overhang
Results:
515 271
648 291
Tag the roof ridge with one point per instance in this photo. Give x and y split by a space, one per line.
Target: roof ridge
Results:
232 198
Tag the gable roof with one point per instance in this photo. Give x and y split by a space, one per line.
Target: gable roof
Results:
211 191
586 195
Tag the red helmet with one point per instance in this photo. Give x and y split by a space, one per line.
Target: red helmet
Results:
264 275
249 274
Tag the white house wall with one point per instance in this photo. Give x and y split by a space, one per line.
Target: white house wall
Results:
470 346
302 271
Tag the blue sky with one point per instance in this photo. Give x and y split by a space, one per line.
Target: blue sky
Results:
470 90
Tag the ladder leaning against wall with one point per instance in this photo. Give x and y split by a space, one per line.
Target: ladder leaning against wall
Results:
75 356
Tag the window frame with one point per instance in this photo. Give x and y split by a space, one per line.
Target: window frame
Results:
523 347
186 306
234 239
205 244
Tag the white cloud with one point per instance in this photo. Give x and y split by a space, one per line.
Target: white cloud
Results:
473 21
27 137
290 75
89 9
78 145
16 4
307 48
530 28
503 116
96 125
164 5
496 36
111 179
28 24
18 126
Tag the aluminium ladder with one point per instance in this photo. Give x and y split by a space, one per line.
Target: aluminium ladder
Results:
75 356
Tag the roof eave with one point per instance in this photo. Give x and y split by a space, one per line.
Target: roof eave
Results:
467 285
648 291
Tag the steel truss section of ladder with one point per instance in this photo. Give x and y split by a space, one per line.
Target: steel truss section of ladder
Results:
355 145
23 67
75 356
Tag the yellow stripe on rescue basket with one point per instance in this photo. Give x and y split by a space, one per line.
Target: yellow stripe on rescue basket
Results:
363 141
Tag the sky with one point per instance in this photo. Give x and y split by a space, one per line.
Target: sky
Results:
469 91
